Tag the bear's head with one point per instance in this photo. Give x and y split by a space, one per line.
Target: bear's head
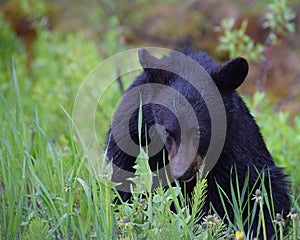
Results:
186 133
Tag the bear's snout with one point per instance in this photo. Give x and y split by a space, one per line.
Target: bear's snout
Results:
184 169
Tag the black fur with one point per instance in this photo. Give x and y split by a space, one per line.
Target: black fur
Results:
244 149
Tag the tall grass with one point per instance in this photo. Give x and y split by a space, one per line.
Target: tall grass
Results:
46 187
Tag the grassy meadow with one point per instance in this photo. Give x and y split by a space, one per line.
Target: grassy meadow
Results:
47 191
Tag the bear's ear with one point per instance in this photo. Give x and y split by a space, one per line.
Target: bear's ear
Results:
232 74
153 67
146 59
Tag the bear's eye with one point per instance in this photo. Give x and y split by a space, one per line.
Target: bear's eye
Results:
166 133
202 132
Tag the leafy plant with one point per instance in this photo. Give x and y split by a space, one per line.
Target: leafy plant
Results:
236 42
36 230
278 19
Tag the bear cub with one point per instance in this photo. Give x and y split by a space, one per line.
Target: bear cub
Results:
181 139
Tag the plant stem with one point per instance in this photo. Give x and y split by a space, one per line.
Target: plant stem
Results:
281 232
294 229
263 221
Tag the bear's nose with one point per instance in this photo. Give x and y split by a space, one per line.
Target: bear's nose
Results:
178 167
176 174
183 176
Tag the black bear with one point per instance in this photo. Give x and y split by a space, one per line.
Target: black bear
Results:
183 141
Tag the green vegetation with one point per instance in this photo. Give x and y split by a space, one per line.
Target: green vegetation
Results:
237 43
47 191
